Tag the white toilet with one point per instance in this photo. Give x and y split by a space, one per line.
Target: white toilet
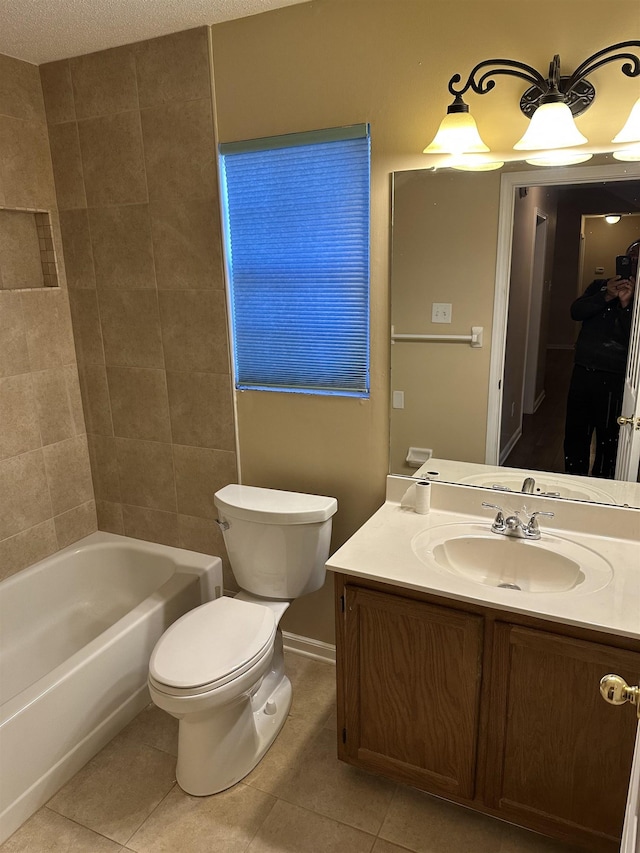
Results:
220 668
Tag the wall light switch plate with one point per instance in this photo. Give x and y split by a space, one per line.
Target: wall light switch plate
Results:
398 400
441 312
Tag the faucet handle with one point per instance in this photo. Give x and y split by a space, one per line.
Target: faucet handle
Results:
499 522
539 512
533 527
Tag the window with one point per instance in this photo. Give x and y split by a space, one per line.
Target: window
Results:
297 247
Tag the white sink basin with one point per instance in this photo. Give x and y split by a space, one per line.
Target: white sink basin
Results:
546 484
551 564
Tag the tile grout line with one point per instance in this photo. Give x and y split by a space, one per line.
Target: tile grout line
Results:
71 820
153 810
266 817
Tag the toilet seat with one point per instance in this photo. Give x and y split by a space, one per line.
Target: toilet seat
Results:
212 645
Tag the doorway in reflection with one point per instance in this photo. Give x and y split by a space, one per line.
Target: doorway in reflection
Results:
560 244
541 443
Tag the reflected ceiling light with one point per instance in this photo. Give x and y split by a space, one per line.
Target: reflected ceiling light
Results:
612 218
550 102
558 157
629 155
475 163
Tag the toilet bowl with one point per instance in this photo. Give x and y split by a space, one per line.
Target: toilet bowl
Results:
221 673
219 669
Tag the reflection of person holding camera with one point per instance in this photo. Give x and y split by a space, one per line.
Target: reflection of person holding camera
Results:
597 382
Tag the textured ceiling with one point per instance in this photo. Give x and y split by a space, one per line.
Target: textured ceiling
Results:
40 31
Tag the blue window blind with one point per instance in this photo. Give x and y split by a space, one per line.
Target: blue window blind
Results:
297 247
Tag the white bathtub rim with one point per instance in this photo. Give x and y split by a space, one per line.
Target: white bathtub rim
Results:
187 563
18 703
50 782
197 562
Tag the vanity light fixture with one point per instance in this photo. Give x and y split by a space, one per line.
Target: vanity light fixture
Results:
612 218
550 102
630 135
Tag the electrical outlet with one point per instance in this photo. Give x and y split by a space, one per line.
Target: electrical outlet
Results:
441 312
398 400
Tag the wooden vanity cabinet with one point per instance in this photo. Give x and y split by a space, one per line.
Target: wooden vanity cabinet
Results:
412 690
487 708
561 755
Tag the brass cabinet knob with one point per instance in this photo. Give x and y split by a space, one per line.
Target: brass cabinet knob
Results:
616 691
634 422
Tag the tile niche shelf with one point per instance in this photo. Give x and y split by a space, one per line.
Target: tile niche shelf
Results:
27 253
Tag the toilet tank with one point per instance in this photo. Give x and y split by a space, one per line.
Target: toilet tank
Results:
278 542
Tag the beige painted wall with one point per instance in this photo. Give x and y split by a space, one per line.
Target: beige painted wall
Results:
337 62
46 495
444 250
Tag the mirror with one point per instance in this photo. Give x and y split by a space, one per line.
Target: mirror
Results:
507 253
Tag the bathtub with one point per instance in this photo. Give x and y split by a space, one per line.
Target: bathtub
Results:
76 634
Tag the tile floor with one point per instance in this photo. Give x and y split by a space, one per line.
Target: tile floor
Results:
300 798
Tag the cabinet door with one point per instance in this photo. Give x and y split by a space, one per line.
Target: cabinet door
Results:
561 756
412 687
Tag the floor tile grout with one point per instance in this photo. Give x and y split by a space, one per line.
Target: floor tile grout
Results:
266 817
76 822
172 788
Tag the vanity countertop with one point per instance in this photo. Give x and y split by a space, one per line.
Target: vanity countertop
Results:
381 551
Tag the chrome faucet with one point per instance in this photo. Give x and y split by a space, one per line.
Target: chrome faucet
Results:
513 525
528 486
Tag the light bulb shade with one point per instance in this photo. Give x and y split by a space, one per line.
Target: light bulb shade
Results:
629 155
631 130
552 126
457 134
557 158
612 218
475 163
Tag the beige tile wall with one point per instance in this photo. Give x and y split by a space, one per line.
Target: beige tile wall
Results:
134 159
46 493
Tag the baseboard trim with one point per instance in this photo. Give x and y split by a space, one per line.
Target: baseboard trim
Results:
506 450
536 404
538 401
308 647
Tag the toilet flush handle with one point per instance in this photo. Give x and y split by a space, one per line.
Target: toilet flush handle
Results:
223 525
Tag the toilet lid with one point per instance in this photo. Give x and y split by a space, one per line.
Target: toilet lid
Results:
272 506
217 641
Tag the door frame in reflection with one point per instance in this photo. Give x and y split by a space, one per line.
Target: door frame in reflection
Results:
509 183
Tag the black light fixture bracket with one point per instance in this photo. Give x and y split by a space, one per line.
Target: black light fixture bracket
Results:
574 90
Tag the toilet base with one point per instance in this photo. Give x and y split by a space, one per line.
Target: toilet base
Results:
215 751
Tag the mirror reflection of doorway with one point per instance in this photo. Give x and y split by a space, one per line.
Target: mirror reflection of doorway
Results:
561 242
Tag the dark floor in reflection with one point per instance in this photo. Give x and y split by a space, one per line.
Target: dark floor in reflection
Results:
540 446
